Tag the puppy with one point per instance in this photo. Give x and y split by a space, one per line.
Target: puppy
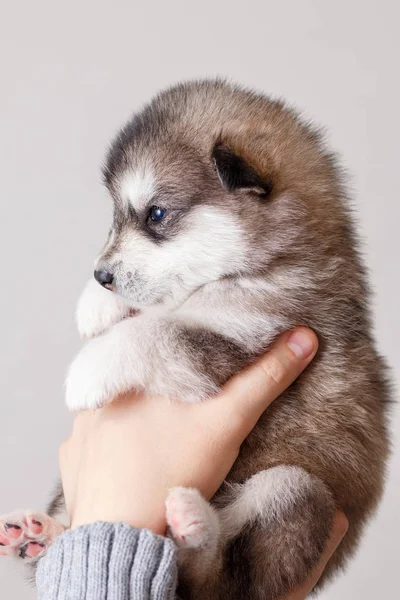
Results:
231 225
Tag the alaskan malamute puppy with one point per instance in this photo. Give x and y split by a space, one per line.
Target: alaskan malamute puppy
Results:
231 225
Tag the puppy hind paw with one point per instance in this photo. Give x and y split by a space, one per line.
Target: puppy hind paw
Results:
27 535
191 520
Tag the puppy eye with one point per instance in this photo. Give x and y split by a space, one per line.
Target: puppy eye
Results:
157 213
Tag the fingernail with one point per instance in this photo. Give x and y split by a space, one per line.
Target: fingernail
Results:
301 343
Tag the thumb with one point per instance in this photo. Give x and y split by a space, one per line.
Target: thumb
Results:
246 396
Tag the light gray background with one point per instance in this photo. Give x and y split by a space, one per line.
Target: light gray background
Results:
71 74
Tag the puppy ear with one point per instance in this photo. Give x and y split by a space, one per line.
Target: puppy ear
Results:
235 173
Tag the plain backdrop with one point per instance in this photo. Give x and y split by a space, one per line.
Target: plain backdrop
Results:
71 73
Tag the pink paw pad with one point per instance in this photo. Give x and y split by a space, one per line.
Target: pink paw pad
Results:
32 550
27 535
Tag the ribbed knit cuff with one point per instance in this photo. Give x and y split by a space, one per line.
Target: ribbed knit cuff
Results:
108 561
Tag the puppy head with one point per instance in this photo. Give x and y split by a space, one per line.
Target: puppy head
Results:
200 192
177 224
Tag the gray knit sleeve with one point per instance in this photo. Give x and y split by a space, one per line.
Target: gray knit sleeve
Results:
108 561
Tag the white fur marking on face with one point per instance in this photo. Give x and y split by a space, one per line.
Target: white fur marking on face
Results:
138 187
210 245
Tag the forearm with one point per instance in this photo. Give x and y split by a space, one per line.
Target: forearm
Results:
108 561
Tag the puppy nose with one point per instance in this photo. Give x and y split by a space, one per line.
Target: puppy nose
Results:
104 277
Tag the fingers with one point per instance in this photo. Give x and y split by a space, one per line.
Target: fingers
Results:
247 395
339 530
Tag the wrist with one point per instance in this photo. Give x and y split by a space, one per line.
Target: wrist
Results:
142 518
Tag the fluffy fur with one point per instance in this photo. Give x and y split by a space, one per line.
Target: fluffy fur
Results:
256 238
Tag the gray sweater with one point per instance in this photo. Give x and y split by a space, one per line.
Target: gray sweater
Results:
108 561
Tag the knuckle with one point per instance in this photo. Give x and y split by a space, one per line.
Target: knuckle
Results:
274 370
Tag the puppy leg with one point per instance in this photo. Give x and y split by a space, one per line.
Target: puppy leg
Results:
161 357
27 535
274 532
98 309
194 526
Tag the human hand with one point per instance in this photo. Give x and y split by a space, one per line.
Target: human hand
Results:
121 460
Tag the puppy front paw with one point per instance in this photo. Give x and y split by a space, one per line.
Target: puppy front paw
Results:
86 380
98 309
103 369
